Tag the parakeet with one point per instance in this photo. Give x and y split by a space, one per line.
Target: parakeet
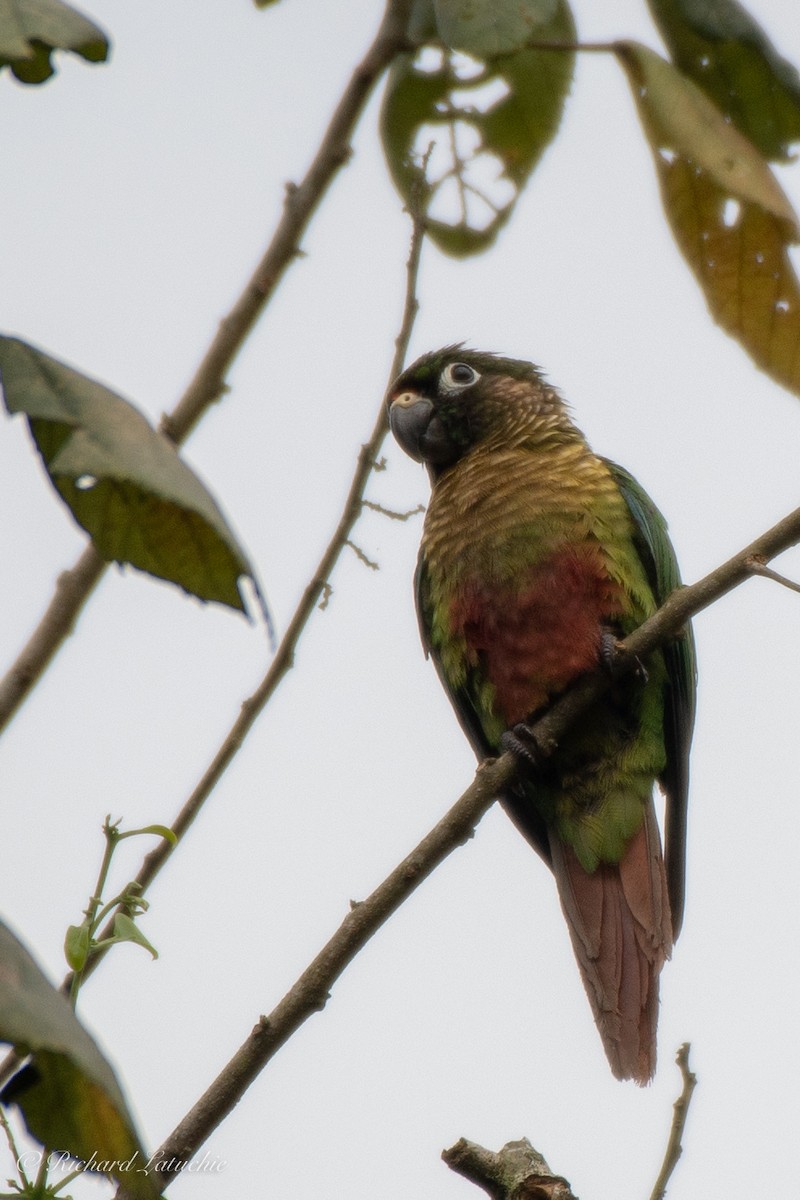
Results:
536 556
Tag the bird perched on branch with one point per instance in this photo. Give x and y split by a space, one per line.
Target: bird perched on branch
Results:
536 556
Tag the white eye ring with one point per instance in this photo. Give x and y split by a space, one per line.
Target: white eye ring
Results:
457 376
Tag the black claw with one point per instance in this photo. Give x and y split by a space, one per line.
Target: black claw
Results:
611 653
522 744
609 650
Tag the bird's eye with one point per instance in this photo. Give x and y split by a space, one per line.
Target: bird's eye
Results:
457 376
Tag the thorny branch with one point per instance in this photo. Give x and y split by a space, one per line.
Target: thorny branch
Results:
311 991
75 585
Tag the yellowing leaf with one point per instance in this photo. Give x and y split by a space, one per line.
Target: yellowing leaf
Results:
124 482
730 57
729 216
679 118
68 1094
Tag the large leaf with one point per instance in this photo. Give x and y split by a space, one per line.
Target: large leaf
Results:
733 60
464 133
68 1093
123 481
731 219
31 29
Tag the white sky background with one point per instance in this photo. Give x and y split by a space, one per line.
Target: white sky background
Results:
136 199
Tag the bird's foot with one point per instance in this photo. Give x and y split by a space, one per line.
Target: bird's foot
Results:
612 654
521 741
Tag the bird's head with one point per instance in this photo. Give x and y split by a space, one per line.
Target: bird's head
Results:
448 402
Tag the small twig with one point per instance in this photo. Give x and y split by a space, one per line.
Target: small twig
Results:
326 591
759 567
394 516
517 1172
361 556
680 1113
208 385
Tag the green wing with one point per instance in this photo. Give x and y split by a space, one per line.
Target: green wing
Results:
658 557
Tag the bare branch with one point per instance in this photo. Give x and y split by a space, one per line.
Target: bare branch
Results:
310 993
680 1113
760 568
73 589
361 556
517 1172
390 512
302 200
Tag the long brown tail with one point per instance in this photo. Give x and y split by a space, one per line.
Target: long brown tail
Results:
621 931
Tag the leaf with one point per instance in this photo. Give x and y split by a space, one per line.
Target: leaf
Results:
126 930
31 29
76 945
487 119
729 216
123 481
488 29
68 1094
162 831
733 60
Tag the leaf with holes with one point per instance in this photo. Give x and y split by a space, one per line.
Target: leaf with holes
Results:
68 1093
733 60
730 217
462 132
31 29
123 481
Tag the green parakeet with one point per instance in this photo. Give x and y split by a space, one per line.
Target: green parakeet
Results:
536 556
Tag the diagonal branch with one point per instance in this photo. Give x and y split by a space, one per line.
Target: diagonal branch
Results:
311 991
302 200
283 661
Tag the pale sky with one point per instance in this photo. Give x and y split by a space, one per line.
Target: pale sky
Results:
138 197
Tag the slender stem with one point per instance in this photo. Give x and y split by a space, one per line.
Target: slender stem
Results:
208 384
680 1113
91 911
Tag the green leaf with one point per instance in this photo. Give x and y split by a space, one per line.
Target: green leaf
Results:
733 60
123 481
126 930
31 29
464 133
76 945
162 831
727 211
485 30
68 1094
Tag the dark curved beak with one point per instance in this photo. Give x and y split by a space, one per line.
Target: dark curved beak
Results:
418 429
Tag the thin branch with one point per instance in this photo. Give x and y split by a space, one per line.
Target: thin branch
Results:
760 568
361 556
208 385
311 992
316 595
680 1113
391 514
